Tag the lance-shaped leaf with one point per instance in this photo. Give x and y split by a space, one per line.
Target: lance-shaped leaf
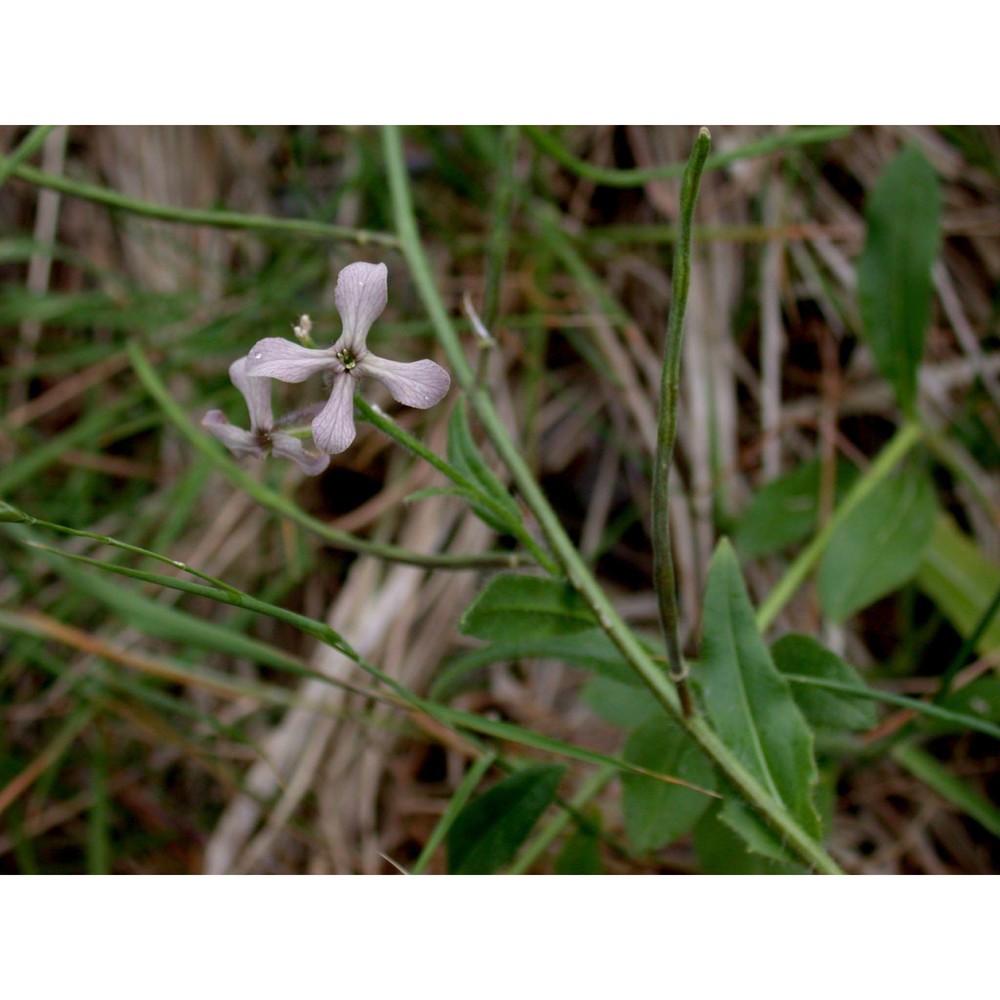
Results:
894 274
878 546
785 510
500 510
487 833
516 607
747 700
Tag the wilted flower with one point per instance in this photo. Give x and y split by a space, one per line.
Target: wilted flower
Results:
262 437
361 295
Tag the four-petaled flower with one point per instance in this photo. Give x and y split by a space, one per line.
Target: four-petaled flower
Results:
361 295
262 437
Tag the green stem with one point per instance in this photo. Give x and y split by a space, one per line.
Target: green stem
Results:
610 177
902 441
664 579
286 508
30 145
10 514
560 544
198 217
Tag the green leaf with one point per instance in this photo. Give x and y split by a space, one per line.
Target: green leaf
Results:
952 788
960 580
723 851
502 513
803 656
785 510
655 813
487 833
748 701
903 213
517 607
589 650
581 854
878 547
624 706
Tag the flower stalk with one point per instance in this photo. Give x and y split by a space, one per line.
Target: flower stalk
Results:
664 578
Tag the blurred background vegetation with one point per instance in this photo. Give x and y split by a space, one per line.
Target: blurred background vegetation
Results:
146 731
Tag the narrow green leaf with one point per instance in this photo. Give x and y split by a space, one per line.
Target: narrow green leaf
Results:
589 650
503 514
624 706
487 833
903 213
517 607
746 698
656 814
785 510
802 655
878 547
960 580
950 787
580 855
455 806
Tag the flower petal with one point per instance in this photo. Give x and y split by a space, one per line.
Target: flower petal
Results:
361 294
278 358
333 429
237 440
287 446
415 383
256 392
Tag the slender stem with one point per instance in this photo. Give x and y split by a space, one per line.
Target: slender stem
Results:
30 145
285 507
610 177
12 514
199 217
666 430
902 441
560 544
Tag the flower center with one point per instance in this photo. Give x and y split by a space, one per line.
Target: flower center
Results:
347 359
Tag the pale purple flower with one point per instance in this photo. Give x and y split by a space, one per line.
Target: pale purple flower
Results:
361 295
262 437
